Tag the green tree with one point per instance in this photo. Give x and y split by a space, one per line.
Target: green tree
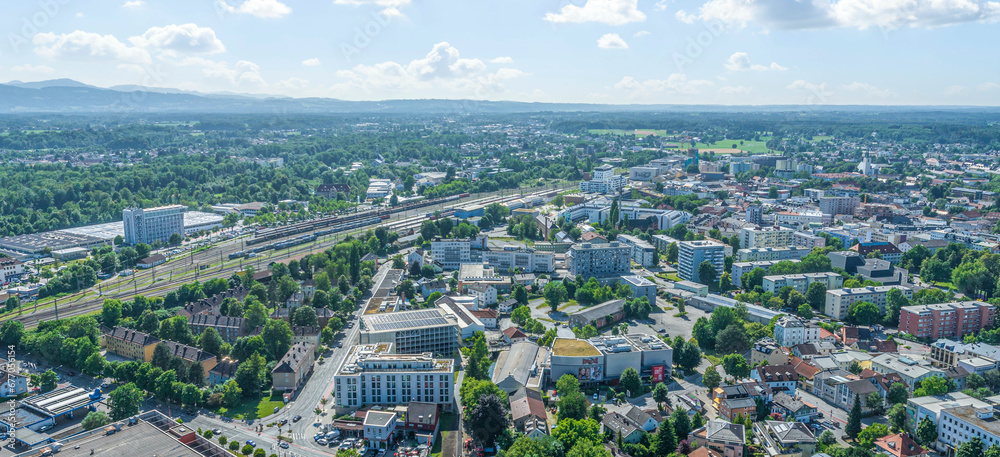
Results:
251 374
111 311
490 410
895 301
871 433
661 393
666 440
732 339
47 381
555 293
211 342
864 313
971 448
853 426
474 389
521 295
711 378
805 311
95 419
196 374
874 401
305 316
897 417
277 336
736 366
816 296
161 355
572 406
11 333
932 386
926 431
754 279
232 395
681 422
630 382
706 273
672 252
567 384
175 239
897 394
124 401
94 365
574 431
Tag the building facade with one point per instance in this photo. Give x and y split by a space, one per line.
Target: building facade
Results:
801 282
767 237
946 320
292 370
599 260
838 301
641 252
372 375
153 225
524 259
690 254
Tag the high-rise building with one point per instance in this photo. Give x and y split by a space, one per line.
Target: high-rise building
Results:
838 205
372 375
642 252
690 254
599 260
766 237
755 214
153 225
604 181
413 332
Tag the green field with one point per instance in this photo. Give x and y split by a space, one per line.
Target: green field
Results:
753 147
250 410
822 138
628 132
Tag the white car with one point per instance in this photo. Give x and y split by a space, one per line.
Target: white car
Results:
321 441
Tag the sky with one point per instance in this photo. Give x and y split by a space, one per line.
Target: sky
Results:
731 52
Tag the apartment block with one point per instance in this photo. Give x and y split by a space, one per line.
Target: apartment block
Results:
128 343
599 260
808 240
838 301
604 181
946 320
791 331
691 254
766 237
152 225
838 205
780 253
962 423
741 268
373 375
512 258
801 282
294 367
754 214
641 251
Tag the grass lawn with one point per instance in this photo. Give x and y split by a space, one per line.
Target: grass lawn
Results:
674 277
250 410
447 421
754 147
822 138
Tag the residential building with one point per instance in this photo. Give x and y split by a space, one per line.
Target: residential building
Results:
189 355
291 371
152 225
900 445
222 371
791 408
741 268
723 437
776 254
962 423
11 269
767 351
808 240
887 251
641 418
641 287
910 370
602 315
307 334
947 353
778 378
487 316
619 425
229 328
373 375
527 412
12 383
128 343
379 429
731 408
604 181
785 439
663 242
508 305
766 237
510 259
692 253
838 205
754 214
485 294
838 301
792 331
801 282
513 335
413 332
641 252
599 260
946 320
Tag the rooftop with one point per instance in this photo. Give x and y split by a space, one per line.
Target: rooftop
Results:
127 441
406 320
571 347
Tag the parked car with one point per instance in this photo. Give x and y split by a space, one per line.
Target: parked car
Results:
321 442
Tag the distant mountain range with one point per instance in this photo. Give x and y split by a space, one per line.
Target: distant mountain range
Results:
69 96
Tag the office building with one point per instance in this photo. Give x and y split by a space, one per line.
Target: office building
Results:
451 253
755 214
413 332
838 301
741 268
801 282
946 320
959 424
766 237
838 205
599 260
691 254
782 253
373 375
511 258
604 181
641 252
643 173
152 225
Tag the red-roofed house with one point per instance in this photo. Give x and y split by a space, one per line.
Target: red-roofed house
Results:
900 445
513 335
488 316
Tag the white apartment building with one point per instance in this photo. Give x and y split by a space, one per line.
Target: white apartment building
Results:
808 240
838 301
641 252
741 268
153 225
372 375
962 423
690 254
796 218
10 269
510 258
801 282
599 260
766 237
604 181
780 253
791 331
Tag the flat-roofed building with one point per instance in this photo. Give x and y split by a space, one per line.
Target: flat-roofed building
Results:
741 268
946 320
599 260
801 282
512 258
774 253
641 287
372 374
765 237
152 225
468 323
792 331
641 251
413 332
604 358
690 255
962 423
838 301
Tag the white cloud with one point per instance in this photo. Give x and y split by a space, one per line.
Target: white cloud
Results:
388 3
292 84
989 86
740 61
186 38
391 12
314 62
661 5
816 94
244 73
677 83
502 60
869 90
133 4
86 45
79 15
442 68
859 14
265 9
734 90
611 12
28 68
611 41
684 17
640 33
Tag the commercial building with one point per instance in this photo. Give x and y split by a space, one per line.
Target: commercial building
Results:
776 254
468 324
451 253
792 331
27 421
838 301
152 225
766 237
373 375
643 173
512 258
413 332
691 254
838 205
946 320
291 371
520 367
660 219
641 252
641 287
37 243
962 423
604 181
378 188
604 358
10 269
602 315
741 268
599 260
379 429
801 282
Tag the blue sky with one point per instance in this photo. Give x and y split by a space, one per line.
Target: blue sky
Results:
750 52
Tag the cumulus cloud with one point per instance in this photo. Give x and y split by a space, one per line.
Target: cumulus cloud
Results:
133 4
388 3
740 61
859 14
391 12
640 33
502 60
87 45
685 17
677 83
314 62
989 86
442 68
28 68
611 41
611 12
266 9
185 38
868 90
815 93
661 5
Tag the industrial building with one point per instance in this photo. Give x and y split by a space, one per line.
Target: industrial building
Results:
520 367
407 377
152 225
413 332
45 410
603 358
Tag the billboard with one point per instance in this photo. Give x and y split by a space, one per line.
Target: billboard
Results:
595 373
658 372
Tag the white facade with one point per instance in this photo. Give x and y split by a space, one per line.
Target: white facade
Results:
839 301
791 331
372 375
690 254
604 181
451 253
768 237
510 258
801 282
641 252
153 225
11 269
